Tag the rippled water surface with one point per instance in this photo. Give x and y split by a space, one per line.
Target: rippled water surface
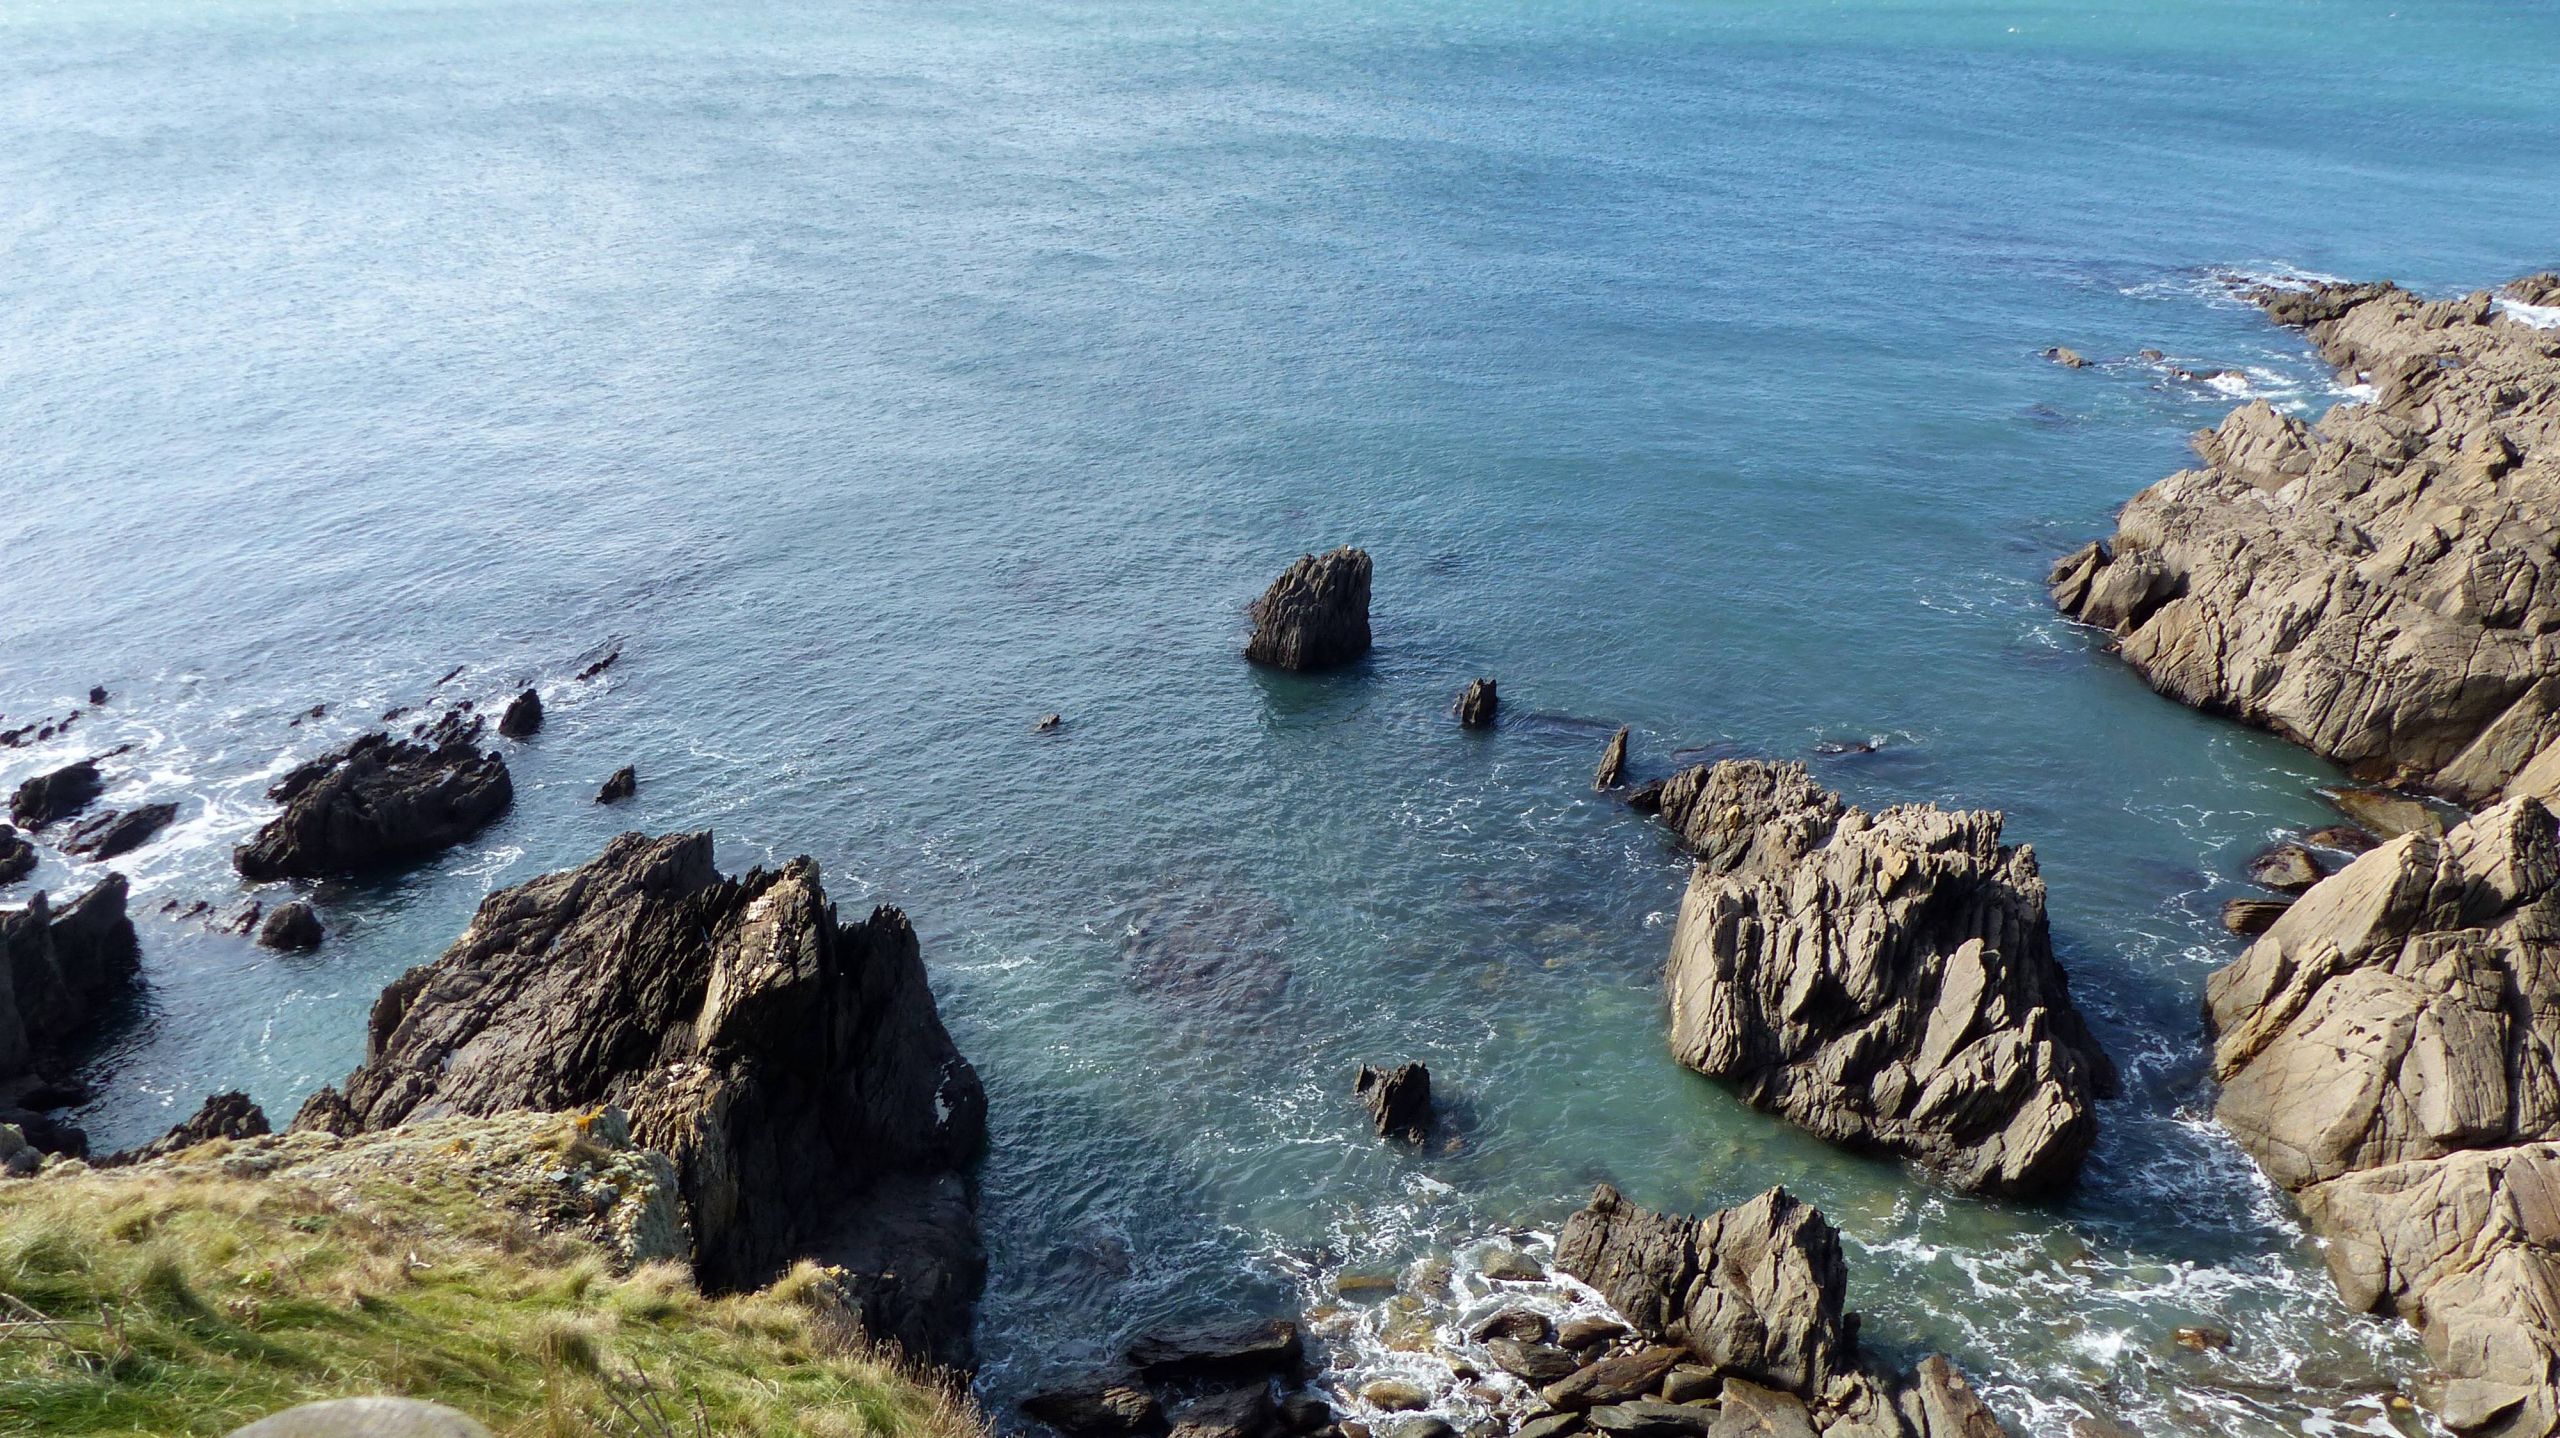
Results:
883 376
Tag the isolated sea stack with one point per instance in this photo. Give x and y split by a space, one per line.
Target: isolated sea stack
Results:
379 801
61 971
1315 615
794 1067
1887 981
2390 1053
2382 587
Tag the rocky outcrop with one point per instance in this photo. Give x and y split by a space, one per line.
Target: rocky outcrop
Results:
622 784
61 971
17 856
117 831
1316 614
1753 1300
793 1067
1234 1361
522 718
293 928
222 1116
1478 704
1398 1100
379 801
58 795
2382 587
1613 762
1885 980
2390 1052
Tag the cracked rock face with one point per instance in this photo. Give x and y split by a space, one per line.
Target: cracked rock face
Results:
378 801
2387 1052
1885 980
60 971
1316 614
2382 587
794 1068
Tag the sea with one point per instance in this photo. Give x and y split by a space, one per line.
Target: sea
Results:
877 377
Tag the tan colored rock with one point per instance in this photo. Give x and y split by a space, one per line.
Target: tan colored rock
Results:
2382 587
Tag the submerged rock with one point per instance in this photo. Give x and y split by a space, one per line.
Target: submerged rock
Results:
1478 703
522 718
794 1068
2389 1052
1398 1100
2067 358
378 801
60 972
2382 587
292 927
623 783
1613 762
1885 980
1316 614
58 795
117 831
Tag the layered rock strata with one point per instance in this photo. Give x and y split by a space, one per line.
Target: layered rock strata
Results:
2390 1053
1316 614
794 1067
1885 980
2382 586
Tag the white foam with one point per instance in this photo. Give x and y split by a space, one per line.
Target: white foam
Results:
2541 317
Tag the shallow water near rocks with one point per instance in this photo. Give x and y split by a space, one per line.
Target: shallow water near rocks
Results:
882 377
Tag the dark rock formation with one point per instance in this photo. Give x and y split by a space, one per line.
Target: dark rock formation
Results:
379 801
1249 1348
1478 703
58 795
1398 1100
793 1067
523 717
1613 762
224 1115
292 927
1245 1412
2383 587
597 669
327 1111
17 856
60 972
97 695
2390 1052
117 831
1885 980
1105 1407
1049 724
1316 614
624 783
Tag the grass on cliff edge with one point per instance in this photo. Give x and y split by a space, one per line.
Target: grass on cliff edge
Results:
140 1302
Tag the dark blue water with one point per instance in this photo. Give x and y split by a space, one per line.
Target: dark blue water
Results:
883 376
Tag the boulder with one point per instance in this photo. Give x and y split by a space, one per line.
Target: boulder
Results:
365 1418
1613 762
2389 1052
2067 358
17 856
60 973
1520 1325
624 783
1244 1348
1757 1291
1537 1364
794 1067
522 718
1099 1407
2253 916
292 927
1246 1412
223 1116
378 801
1751 1411
57 795
1398 1100
2382 586
1887 981
1651 1418
1316 614
1578 1334
1613 1380
1477 704
1395 1395
2287 868
117 831
1550 1425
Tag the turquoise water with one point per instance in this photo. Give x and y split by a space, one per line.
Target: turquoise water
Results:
882 377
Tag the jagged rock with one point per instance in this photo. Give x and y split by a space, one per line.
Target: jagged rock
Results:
224 1115
1885 980
1478 704
2289 868
2387 1053
378 801
1242 1349
1246 1412
58 795
2383 587
1613 1380
1691 1383
2067 358
1101 1407
1613 762
117 831
292 927
17 856
1398 1100
793 1067
327 1111
60 971
1757 1291
2253 916
624 783
522 718
600 666
1316 614
1538 1364
1651 1418
1578 1334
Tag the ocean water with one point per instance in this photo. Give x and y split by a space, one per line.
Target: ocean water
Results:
882 376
